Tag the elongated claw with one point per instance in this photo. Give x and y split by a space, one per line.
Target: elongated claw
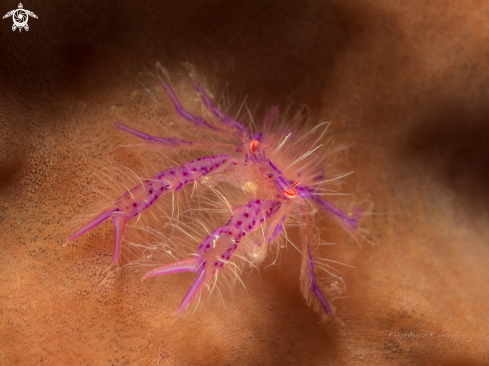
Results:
119 222
187 265
119 231
99 219
219 246
138 199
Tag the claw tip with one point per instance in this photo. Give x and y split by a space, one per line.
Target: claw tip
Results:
70 239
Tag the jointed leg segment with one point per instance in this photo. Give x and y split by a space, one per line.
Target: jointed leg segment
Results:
219 246
138 199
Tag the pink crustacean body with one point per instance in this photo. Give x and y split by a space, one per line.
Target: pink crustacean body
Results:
250 166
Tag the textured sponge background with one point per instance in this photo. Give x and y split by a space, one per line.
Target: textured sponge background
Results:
406 81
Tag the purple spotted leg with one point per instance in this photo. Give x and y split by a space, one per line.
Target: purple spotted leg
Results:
219 246
138 199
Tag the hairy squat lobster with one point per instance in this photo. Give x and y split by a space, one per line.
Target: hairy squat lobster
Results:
275 196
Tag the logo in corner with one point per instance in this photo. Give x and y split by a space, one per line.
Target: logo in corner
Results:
20 17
